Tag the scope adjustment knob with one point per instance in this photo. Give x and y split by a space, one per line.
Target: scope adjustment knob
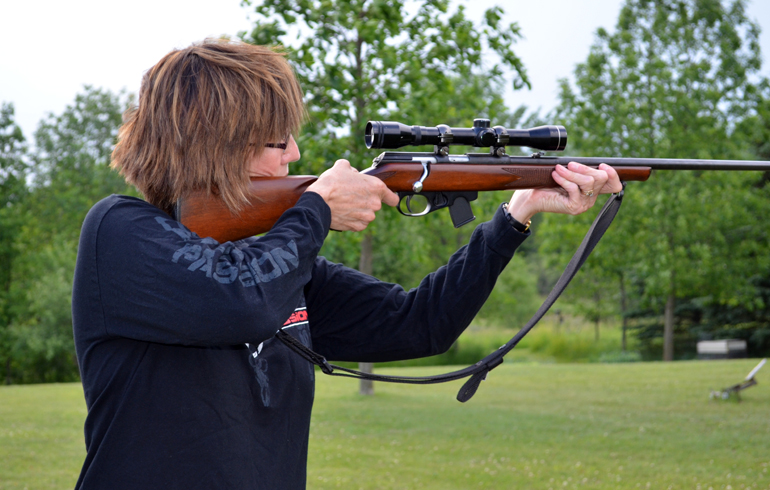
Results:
481 123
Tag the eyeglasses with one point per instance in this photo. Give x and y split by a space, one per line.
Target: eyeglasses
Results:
282 146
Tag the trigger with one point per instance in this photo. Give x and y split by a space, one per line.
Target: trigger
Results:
409 204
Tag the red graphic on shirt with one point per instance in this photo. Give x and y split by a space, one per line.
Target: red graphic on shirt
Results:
296 317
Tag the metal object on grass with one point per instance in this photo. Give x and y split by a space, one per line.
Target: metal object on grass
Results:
735 390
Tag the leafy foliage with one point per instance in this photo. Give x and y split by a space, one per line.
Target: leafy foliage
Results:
360 60
674 81
13 170
69 173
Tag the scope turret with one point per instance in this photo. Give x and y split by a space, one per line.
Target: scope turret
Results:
390 135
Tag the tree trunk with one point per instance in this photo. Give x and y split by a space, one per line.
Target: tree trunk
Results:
623 308
668 329
623 342
668 316
366 386
598 319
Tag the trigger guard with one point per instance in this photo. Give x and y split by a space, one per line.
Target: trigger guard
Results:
411 213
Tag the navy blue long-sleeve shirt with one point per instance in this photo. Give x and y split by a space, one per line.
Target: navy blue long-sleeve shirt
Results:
186 386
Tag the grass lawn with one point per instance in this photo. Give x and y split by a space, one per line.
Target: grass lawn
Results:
530 426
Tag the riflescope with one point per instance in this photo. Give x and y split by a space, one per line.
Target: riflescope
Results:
390 134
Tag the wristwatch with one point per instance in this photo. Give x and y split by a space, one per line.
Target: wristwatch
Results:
517 225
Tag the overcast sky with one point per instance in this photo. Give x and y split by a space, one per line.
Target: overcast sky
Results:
51 48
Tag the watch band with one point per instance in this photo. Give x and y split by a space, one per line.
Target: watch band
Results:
516 224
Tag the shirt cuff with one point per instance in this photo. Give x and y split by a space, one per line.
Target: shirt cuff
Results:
315 202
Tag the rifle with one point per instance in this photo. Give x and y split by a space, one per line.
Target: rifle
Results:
442 180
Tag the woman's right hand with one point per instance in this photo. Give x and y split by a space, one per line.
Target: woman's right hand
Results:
352 196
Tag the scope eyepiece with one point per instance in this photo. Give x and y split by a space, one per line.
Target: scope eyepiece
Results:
391 135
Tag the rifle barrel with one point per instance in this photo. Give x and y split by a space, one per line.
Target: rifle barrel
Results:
653 163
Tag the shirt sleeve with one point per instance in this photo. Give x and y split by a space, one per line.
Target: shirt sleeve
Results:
160 282
355 317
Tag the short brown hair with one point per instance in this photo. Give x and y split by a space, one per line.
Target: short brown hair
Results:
202 112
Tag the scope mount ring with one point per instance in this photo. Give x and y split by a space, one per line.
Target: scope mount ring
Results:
441 150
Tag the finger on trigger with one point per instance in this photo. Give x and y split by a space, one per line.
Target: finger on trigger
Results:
389 197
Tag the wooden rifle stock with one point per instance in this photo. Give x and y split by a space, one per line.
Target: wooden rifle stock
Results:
207 215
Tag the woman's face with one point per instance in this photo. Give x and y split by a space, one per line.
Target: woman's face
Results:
274 162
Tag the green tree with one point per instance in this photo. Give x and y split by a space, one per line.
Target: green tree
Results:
71 161
672 81
13 171
371 59
71 173
747 316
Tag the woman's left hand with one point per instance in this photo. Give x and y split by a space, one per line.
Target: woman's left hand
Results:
580 186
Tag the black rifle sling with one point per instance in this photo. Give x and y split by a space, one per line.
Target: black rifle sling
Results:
478 372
